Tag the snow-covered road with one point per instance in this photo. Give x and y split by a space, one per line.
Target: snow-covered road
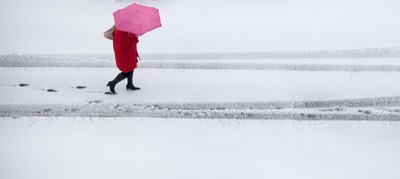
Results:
383 61
200 119
202 93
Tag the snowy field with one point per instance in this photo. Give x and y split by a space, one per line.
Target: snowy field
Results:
207 86
197 117
298 89
102 148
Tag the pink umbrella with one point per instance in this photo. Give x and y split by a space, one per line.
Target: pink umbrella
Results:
137 19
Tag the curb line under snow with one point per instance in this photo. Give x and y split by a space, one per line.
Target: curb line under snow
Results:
372 109
184 62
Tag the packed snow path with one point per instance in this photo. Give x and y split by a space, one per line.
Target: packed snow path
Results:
201 93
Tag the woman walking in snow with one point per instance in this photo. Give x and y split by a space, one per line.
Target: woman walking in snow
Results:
130 22
126 56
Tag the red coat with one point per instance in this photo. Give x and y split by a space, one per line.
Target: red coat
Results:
125 50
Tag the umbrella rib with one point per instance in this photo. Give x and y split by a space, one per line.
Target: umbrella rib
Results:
139 24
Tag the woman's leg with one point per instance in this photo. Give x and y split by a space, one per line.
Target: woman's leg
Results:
130 86
121 76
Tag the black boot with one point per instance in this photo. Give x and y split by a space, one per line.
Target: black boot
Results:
121 76
130 86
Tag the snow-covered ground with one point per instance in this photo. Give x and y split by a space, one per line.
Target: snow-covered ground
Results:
219 99
200 118
103 148
379 59
258 88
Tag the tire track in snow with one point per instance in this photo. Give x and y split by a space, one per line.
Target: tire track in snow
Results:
382 109
106 61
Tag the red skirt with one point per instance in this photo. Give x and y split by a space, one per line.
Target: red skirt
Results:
125 50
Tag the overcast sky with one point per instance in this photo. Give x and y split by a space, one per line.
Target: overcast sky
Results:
76 26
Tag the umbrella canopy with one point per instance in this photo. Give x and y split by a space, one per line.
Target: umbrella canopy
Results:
137 19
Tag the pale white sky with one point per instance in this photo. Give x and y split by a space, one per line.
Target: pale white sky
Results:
76 26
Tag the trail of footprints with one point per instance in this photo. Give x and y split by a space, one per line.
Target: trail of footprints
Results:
50 90
66 110
123 108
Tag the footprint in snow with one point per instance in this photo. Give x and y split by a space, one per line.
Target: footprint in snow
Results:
310 116
396 110
365 112
72 110
51 90
23 85
95 101
75 110
47 110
